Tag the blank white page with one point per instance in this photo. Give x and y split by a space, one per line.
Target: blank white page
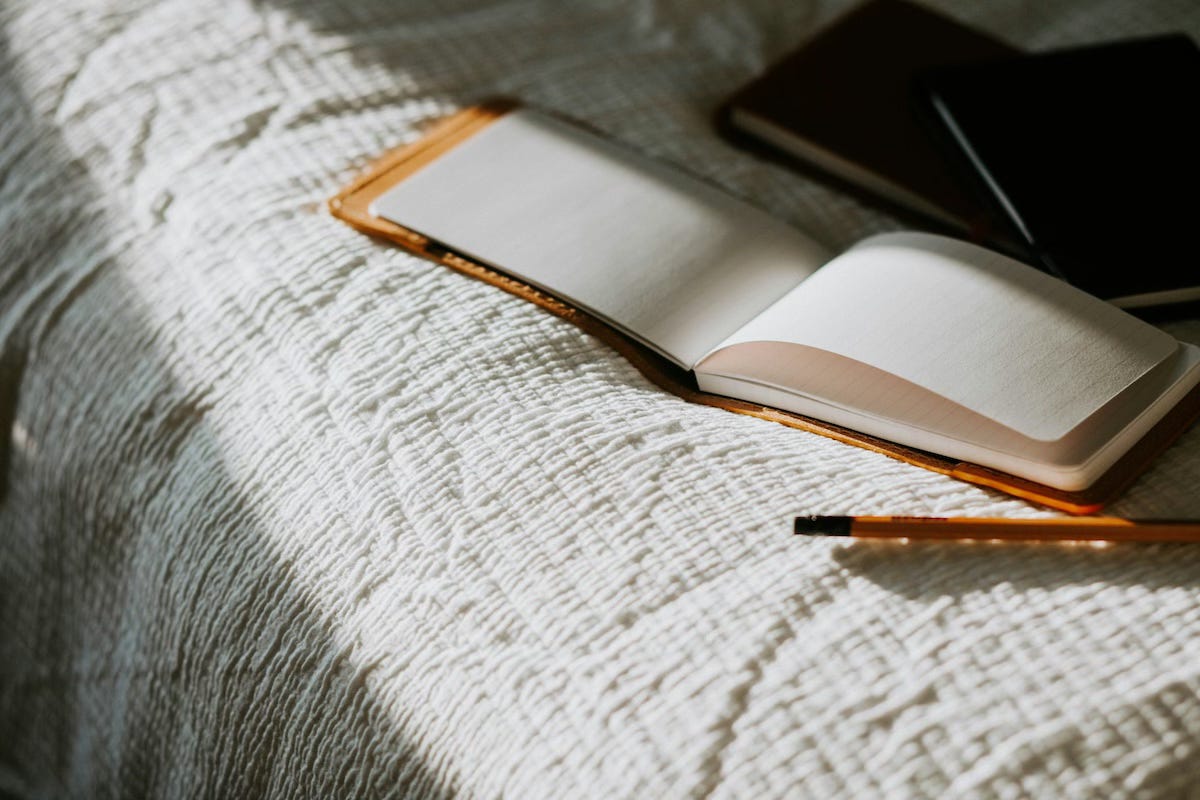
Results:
661 255
973 326
885 406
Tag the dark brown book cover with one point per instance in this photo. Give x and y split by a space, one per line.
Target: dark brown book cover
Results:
843 103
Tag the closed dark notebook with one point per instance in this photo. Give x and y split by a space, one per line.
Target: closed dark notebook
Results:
842 102
1093 155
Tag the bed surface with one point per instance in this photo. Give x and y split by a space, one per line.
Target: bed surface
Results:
285 511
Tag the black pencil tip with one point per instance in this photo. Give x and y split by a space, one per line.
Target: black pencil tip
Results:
823 526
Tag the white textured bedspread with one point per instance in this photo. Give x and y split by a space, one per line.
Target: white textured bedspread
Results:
288 512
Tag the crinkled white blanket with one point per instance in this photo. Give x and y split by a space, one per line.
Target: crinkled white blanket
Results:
287 512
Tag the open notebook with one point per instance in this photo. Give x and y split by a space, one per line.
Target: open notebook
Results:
970 362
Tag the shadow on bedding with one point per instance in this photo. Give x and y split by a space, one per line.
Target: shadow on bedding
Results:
931 570
153 642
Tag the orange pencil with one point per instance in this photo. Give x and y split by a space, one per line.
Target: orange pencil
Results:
1107 529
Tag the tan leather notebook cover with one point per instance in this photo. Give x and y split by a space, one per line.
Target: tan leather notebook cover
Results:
352 206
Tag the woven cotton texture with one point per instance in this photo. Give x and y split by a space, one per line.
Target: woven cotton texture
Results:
287 512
